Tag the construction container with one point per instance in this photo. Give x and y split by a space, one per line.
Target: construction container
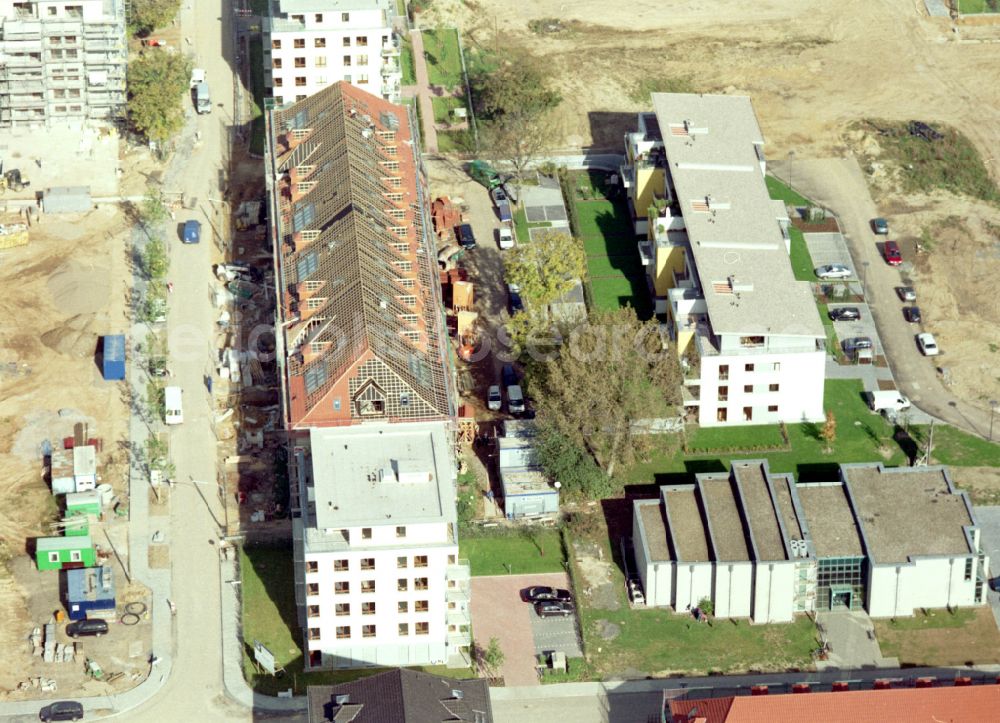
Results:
85 467
61 471
114 357
84 503
90 593
58 553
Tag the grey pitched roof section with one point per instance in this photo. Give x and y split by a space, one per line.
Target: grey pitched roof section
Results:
402 696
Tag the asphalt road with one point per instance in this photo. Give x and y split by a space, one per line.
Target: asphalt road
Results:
194 691
839 184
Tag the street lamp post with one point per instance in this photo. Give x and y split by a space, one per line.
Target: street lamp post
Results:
993 411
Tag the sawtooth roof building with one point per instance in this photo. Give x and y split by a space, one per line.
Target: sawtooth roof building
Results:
762 546
360 335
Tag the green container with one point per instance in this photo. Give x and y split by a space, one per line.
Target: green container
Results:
57 553
484 174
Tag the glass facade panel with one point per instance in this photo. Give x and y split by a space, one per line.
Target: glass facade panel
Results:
840 583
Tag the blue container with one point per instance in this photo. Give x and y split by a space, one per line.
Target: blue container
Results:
114 357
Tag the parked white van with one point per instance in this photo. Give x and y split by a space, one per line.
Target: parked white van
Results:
173 398
515 399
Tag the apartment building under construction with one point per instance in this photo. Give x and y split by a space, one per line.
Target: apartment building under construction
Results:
61 61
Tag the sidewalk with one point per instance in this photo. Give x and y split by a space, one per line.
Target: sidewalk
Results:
423 93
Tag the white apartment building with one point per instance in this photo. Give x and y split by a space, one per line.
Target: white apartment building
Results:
311 44
61 61
716 255
378 579
758 545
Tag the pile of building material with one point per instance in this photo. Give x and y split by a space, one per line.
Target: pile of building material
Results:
45 685
13 234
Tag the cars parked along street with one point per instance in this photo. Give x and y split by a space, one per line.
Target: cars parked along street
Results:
880 226
192 232
928 345
912 314
494 400
466 238
906 293
892 255
61 710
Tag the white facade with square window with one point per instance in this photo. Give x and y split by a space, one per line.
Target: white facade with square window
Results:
311 44
379 581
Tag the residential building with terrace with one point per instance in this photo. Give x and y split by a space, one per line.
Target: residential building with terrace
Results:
761 546
367 396
716 254
377 544
360 332
310 45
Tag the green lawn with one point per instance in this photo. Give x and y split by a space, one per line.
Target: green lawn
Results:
608 220
955 447
765 435
971 7
623 291
521 226
269 616
781 192
443 107
860 434
454 142
256 96
802 263
657 642
406 62
601 266
444 62
541 551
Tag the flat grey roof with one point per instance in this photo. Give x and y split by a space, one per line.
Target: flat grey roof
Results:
686 525
525 481
655 528
782 490
760 510
728 538
714 148
908 512
297 6
830 520
353 470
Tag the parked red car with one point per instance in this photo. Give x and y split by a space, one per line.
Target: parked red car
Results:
892 255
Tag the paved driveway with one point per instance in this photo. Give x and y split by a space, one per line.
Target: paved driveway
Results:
839 184
498 612
865 326
829 248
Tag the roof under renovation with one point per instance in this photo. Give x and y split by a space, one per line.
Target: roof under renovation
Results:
357 282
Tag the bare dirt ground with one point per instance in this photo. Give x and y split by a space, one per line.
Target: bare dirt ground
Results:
982 483
812 69
63 290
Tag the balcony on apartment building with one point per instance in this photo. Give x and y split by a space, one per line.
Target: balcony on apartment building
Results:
390 66
710 344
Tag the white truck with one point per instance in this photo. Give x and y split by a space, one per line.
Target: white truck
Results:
887 401
199 91
173 405
505 236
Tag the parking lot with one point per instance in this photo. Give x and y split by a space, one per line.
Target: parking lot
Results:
865 326
829 248
500 613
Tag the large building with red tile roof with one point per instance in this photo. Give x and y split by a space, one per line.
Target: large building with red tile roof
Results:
951 704
360 333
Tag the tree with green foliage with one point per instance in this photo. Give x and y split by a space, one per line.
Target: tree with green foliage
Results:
155 259
545 268
145 16
566 460
153 209
515 104
157 85
492 657
610 374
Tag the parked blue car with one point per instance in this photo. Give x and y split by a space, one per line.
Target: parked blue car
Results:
192 232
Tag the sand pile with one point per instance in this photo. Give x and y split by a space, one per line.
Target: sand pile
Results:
76 337
77 288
